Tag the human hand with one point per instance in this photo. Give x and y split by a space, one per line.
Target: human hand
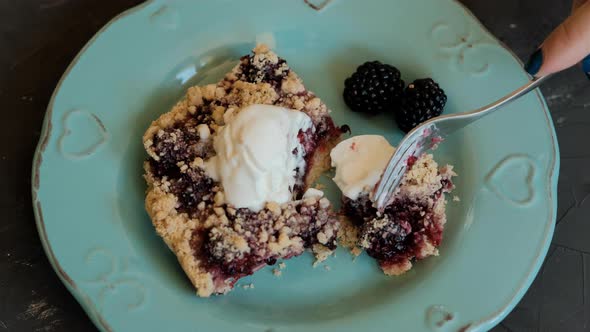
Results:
566 46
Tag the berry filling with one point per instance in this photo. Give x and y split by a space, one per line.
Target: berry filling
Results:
257 71
247 241
400 234
180 143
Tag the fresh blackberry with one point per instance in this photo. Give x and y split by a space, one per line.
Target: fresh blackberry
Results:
373 88
422 100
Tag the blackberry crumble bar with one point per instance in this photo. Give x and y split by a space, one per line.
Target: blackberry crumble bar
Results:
215 241
411 226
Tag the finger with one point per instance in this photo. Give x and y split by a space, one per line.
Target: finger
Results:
566 46
586 62
577 4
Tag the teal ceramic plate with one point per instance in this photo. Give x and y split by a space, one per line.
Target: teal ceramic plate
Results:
88 187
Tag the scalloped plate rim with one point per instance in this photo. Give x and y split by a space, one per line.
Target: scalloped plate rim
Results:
89 307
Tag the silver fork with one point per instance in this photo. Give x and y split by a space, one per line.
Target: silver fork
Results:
429 134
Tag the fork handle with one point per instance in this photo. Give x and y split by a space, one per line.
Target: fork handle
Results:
533 84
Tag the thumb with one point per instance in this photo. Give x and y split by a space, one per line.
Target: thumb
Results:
566 46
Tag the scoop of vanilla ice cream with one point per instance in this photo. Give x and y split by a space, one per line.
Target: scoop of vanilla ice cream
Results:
359 162
258 151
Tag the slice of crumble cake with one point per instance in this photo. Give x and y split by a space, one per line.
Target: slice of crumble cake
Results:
229 170
411 226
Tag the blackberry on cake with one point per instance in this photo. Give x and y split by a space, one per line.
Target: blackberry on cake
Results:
373 88
411 226
229 170
422 100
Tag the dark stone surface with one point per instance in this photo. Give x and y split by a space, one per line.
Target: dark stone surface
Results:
39 38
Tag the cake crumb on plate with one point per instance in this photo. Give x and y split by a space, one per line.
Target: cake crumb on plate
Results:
321 253
348 236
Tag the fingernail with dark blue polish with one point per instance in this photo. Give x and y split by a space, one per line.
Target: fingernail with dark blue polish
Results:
586 66
534 64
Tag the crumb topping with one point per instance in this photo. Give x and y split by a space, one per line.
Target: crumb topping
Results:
238 242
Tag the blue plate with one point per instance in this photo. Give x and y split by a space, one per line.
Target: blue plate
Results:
88 188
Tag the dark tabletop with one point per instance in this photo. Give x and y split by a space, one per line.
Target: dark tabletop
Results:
39 38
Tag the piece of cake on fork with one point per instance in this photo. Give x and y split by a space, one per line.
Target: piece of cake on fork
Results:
410 227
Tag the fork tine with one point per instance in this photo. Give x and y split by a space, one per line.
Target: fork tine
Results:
390 186
392 171
388 172
392 167
382 187
396 173
397 165
390 189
